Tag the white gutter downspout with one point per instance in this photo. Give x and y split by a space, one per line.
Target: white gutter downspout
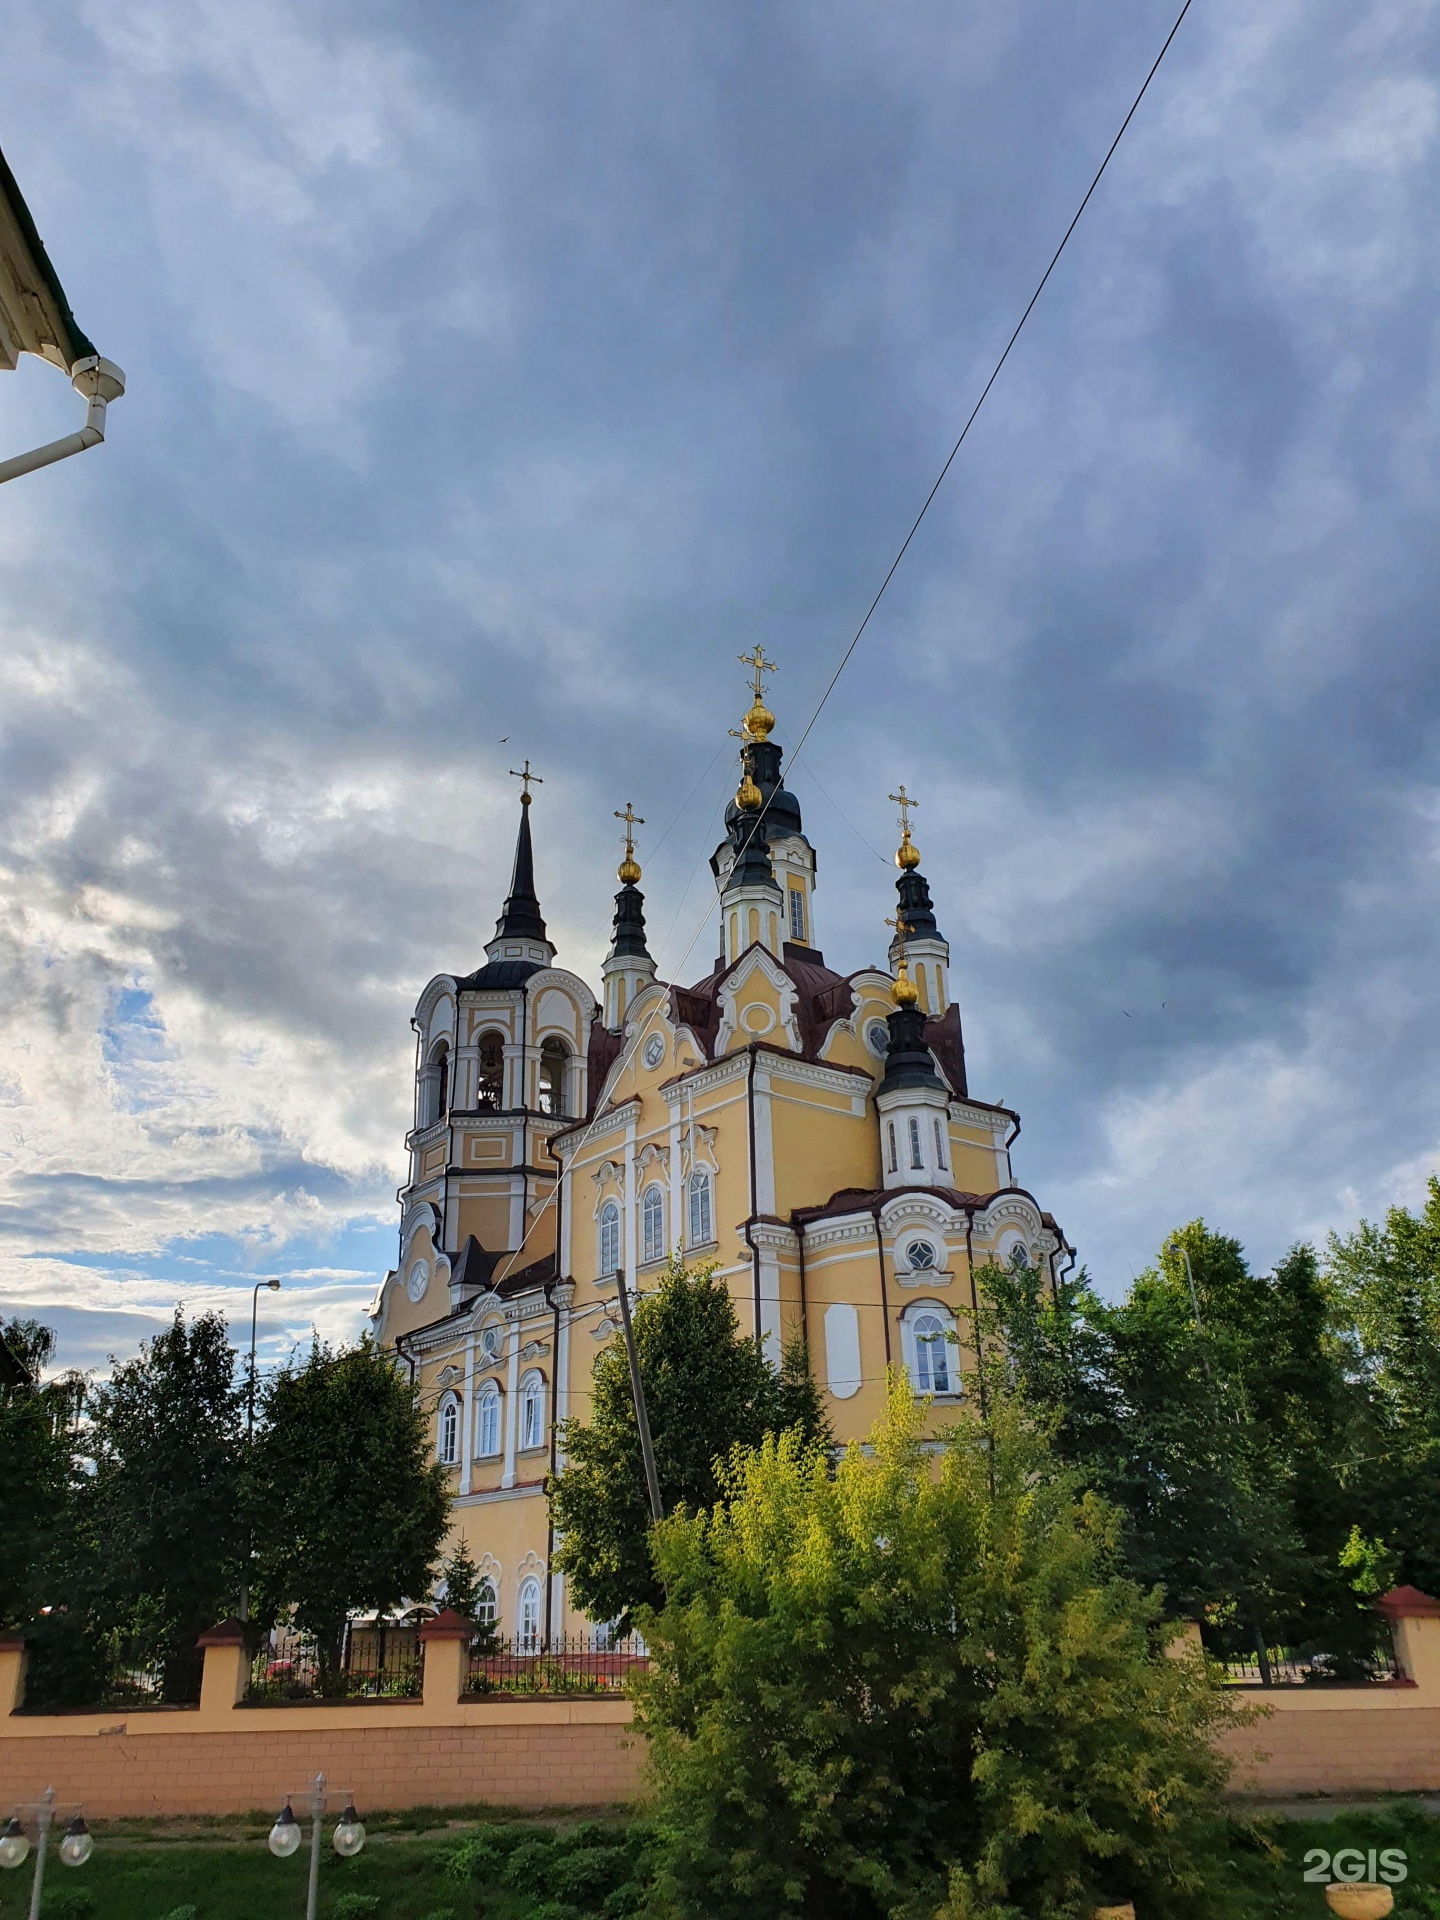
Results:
99 381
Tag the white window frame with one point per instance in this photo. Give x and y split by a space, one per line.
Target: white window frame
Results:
447 1431
489 1405
527 1613
652 1222
608 1236
487 1603
894 1149
922 1351
701 1208
797 914
532 1411
941 1158
917 1150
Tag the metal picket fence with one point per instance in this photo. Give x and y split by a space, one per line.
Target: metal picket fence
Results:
571 1663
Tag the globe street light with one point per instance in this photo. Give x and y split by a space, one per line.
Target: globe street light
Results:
75 1848
284 1838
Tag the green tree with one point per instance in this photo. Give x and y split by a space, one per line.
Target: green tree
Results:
461 1578
707 1389
906 1680
1385 1284
1214 1407
36 1443
348 1506
163 1502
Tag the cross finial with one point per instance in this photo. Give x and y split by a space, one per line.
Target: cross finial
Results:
632 820
519 773
905 803
901 926
758 664
904 992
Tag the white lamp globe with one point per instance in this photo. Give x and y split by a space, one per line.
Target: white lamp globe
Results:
14 1845
285 1834
78 1844
349 1834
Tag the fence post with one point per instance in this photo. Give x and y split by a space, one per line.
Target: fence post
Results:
1414 1621
226 1667
446 1640
12 1672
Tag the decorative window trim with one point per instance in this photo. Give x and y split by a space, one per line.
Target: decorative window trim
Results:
923 1357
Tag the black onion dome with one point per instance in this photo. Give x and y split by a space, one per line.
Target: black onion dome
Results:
917 913
781 808
908 1062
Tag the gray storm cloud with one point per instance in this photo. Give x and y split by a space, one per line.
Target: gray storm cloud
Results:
504 373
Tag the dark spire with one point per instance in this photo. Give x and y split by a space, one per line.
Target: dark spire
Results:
752 866
761 760
908 1061
521 918
916 910
629 941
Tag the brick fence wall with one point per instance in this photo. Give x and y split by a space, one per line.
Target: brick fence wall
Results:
224 1757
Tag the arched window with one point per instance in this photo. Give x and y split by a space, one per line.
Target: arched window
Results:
443 1090
609 1238
940 1160
1019 1257
491 1091
701 1230
486 1605
652 1216
917 1158
552 1078
894 1154
532 1411
929 1335
449 1433
527 1619
487 1422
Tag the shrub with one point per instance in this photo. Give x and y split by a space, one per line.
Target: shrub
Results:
586 1874
354 1906
187 1912
529 1866
484 1854
69 1903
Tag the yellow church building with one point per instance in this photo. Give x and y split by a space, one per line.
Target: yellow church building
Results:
810 1134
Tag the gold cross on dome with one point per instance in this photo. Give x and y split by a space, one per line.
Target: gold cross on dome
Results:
902 927
905 803
517 773
758 664
632 820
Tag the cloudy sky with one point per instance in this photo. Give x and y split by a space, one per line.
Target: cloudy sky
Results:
503 371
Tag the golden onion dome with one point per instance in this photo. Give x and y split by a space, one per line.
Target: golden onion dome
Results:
759 722
629 871
747 795
904 992
907 854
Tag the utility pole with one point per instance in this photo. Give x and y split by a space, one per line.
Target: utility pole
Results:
642 1419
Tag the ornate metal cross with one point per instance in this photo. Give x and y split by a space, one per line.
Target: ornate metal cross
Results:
517 773
632 820
905 803
759 664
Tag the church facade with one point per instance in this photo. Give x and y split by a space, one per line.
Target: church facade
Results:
810 1134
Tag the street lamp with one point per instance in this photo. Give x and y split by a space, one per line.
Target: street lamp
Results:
75 1848
284 1837
273 1283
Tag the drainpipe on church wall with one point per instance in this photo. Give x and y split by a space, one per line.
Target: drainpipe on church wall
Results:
749 1224
975 1313
884 1296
